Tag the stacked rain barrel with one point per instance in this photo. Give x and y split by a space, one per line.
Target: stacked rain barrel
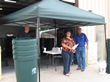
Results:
25 52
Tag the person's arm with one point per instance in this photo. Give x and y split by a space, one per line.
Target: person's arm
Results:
64 45
74 39
87 45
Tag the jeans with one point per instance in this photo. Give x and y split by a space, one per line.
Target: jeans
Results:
67 58
81 57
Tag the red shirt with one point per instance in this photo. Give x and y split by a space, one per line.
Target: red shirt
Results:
68 42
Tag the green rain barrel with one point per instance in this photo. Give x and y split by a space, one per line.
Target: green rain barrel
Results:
24 48
108 56
25 52
24 41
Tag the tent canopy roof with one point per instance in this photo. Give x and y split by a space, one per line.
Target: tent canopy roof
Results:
62 12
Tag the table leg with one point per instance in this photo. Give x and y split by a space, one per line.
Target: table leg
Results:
53 62
48 60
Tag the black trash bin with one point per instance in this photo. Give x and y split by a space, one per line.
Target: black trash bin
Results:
108 56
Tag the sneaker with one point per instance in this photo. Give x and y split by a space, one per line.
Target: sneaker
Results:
78 68
82 69
69 72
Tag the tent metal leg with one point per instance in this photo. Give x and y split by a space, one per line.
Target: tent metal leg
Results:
55 32
38 42
105 39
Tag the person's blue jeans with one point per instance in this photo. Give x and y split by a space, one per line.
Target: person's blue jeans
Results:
67 58
72 58
81 57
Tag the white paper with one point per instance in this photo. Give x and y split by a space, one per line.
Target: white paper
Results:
75 46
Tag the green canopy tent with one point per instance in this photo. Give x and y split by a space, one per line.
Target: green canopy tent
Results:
55 9
55 13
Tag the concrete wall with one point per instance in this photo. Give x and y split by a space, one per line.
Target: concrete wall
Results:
100 38
9 30
96 34
101 7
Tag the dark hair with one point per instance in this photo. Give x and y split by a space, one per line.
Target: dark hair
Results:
67 30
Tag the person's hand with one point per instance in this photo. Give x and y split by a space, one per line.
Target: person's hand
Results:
87 46
73 50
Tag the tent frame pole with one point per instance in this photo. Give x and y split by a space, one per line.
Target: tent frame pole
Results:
105 39
55 32
38 42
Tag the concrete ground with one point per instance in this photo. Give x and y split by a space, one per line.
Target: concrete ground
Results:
91 74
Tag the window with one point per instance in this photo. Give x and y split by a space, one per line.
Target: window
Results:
69 1
1 8
10 1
